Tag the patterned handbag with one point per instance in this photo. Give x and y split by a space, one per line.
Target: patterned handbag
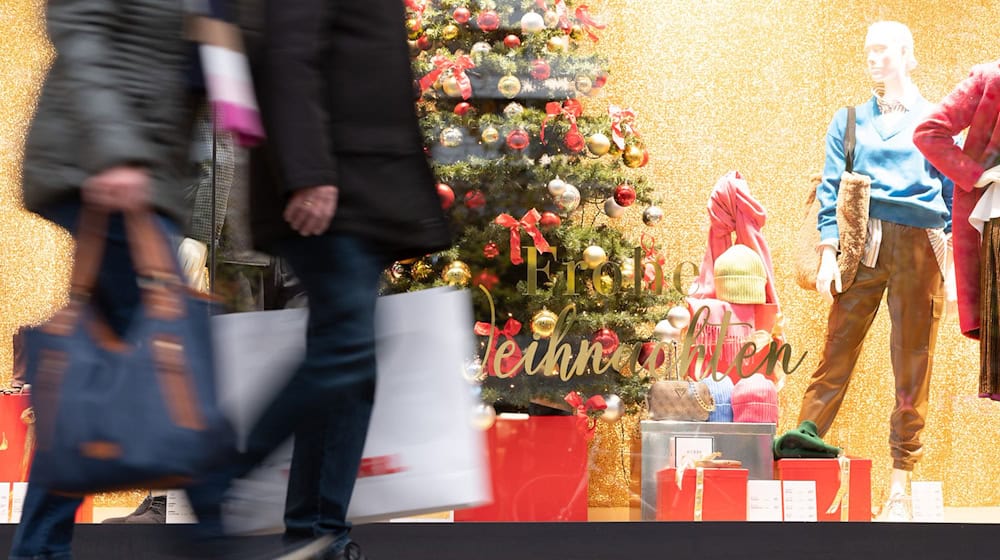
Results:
136 411
680 400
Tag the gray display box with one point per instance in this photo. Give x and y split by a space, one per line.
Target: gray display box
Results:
666 443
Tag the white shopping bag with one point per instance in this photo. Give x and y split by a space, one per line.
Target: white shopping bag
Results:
423 453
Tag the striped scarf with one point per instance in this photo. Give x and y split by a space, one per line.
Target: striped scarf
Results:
225 70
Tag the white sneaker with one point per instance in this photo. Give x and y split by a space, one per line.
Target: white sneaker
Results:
899 509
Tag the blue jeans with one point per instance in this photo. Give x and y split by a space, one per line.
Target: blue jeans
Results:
46 527
328 402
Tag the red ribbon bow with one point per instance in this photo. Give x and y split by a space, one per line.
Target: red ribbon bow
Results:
457 68
622 123
530 224
648 244
510 329
583 420
589 24
418 7
571 109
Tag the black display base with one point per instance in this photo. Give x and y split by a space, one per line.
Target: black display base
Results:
597 541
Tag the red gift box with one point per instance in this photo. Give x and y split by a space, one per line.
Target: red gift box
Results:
16 443
723 495
854 477
538 466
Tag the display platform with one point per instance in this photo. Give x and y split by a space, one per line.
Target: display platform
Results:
596 541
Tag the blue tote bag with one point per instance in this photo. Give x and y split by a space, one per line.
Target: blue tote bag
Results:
138 410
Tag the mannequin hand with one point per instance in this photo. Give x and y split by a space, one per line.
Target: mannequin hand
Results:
310 210
828 273
989 176
121 188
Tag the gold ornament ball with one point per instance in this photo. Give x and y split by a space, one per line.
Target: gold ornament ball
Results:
632 155
543 324
679 317
615 409
577 33
628 272
451 137
449 32
607 284
598 144
594 256
451 87
490 135
551 18
557 44
413 28
422 270
457 274
509 86
583 84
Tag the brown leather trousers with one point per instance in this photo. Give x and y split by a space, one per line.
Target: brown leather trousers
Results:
908 269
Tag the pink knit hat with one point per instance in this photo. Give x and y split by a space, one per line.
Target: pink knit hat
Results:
755 399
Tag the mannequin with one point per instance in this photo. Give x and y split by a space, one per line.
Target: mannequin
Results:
905 254
974 104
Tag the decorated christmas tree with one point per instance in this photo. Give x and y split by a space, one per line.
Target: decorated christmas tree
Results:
538 174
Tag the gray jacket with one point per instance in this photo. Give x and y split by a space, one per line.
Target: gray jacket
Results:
117 93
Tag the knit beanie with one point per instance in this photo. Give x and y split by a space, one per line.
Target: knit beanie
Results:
740 276
722 394
755 399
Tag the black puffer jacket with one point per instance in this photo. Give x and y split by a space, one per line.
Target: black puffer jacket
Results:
117 93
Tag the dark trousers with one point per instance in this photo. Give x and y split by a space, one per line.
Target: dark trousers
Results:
908 269
328 402
46 527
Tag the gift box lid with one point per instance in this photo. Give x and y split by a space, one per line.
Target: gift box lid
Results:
793 466
670 474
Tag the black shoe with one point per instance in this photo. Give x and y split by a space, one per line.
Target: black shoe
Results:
351 552
152 510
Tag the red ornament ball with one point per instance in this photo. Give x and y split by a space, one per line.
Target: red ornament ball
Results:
540 69
488 20
624 195
601 79
518 139
608 340
646 350
486 279
463 108
447 195
424 43
512 41
574 141
491 251
550 220
475 200
462 14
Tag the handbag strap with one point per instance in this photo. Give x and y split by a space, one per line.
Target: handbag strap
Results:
148 247
697 397
849 140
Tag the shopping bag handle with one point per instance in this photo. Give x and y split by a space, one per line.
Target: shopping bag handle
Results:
148 247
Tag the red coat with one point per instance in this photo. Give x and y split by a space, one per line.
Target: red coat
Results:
974 104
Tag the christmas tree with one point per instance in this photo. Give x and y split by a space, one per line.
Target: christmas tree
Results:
536 173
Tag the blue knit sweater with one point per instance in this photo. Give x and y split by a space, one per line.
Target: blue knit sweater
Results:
906 189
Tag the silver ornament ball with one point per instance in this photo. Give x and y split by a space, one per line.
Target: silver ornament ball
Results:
532 22
612 209
482 47
557 186
615 409
664 331
679 317
484 416
652 215
569 199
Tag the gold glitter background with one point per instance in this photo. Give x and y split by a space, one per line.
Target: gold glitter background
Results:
718 85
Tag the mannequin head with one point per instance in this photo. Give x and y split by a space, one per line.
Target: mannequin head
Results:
889 53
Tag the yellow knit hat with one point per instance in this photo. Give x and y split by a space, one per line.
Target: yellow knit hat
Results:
740 276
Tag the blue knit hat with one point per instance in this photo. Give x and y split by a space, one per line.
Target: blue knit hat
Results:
722 394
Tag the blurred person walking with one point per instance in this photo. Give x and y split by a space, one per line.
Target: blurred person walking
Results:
341 190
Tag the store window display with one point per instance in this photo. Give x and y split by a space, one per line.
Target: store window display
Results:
905 255
973 105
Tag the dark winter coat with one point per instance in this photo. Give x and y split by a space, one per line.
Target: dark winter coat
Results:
117 93
336 93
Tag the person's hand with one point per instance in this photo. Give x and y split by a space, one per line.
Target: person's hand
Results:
950 290
121 188
310 210
829 273
989 176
